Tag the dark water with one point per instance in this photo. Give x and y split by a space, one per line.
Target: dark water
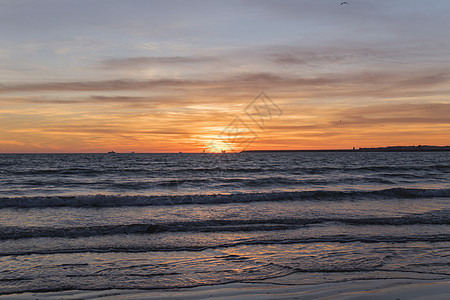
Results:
102 221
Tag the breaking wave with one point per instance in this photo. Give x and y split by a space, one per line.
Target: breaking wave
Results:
100 200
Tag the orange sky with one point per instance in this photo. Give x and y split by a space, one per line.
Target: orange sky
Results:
368 75
97 124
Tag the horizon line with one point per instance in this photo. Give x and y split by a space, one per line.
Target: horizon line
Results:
361 149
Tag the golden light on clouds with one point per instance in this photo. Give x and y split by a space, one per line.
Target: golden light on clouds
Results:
90 125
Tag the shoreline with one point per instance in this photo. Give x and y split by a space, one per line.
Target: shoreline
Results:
359 289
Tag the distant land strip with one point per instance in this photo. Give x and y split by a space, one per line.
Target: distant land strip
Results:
379 149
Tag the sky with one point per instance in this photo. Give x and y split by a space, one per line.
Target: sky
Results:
197 75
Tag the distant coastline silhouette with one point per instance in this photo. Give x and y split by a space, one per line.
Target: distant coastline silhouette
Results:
418 148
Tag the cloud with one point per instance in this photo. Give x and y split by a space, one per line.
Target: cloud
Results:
117 85
288 55
142 62
383 85
406 114
106 85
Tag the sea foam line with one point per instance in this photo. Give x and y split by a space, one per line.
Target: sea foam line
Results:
438 238
218 225
100 200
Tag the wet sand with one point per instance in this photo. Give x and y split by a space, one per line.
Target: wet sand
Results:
365 289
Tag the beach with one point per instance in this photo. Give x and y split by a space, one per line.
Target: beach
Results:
371 289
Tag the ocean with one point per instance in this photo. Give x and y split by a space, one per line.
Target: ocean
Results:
163 221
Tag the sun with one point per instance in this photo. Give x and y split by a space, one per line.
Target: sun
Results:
217 146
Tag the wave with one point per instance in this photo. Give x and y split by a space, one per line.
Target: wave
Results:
437 238
223 167
100 200
170 183
222 225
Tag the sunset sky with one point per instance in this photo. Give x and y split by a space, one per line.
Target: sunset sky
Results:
169 76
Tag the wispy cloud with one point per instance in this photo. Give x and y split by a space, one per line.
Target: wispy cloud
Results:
367 84
406 113
144 62
106 85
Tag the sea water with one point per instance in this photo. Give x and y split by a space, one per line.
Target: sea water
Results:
160 221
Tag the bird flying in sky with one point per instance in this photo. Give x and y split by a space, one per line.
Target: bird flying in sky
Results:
342 3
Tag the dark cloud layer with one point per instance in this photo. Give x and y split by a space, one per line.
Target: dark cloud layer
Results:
349 83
